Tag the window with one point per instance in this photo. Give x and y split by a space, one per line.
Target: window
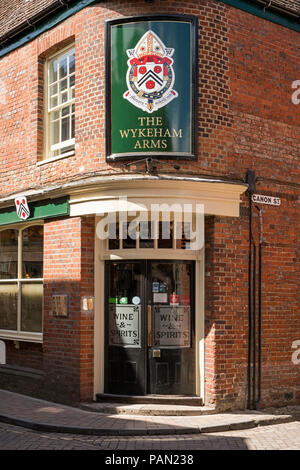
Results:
21 282
60 131
152 234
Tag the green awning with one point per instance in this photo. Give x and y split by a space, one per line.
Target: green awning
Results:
38 210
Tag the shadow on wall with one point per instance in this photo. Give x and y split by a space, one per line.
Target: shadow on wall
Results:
55 369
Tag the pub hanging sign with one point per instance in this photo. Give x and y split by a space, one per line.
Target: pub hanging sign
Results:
151 87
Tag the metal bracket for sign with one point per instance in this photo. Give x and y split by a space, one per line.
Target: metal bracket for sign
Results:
150 168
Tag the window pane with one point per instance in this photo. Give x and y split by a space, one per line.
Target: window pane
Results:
146 231
72 80
165 239
183 234
72 62
9 254
63 85
53 89
113 236
53 102
8 306
32 253
171 318
53 71
65 134
32 307
73 127
54 115
129 235
63 66
54 132
64 97
65 111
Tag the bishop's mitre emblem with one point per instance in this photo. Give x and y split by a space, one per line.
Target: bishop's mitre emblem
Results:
150 76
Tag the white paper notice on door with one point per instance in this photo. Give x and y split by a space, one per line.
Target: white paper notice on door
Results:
160 298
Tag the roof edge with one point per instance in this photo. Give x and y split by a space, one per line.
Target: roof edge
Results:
268 10
41 22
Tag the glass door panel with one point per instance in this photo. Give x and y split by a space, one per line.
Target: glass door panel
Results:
171 354
125 345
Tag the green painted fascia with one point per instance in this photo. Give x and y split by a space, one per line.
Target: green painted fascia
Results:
256 10
38 210
46 25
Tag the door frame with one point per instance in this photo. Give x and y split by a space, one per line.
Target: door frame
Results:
101 255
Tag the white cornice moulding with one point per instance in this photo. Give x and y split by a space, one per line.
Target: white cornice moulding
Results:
218 197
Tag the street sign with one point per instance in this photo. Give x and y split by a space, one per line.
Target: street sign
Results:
264 199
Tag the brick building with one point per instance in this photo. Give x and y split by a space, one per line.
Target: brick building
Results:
105 109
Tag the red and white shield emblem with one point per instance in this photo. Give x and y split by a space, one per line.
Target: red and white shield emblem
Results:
22 208
150 76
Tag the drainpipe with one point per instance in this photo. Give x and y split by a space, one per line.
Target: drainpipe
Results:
249 305
251 181
259 304
253 405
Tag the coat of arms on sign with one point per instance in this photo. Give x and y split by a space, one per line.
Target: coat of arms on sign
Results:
150 76
22 208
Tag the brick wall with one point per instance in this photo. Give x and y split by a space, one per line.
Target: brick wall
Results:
246 68
226 312
25 355
68 342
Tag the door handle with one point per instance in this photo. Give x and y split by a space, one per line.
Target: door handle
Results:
149 314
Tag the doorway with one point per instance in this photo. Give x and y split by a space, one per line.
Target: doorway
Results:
150 327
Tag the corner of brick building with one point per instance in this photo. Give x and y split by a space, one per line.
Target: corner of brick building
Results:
69 342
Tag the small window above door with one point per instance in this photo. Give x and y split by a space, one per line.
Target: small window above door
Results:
169 235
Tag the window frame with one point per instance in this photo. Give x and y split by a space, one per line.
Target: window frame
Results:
48 148
18 334
156 241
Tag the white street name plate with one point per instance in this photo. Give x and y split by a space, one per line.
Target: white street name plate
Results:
263 199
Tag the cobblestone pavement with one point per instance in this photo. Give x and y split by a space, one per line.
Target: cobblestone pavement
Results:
284 436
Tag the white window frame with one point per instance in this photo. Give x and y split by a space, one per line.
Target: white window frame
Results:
48 148
149 253
18 334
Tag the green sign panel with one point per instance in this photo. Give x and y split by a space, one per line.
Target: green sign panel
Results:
38 210
151 92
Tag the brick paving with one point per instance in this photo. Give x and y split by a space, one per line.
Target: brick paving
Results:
285 436
45 416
